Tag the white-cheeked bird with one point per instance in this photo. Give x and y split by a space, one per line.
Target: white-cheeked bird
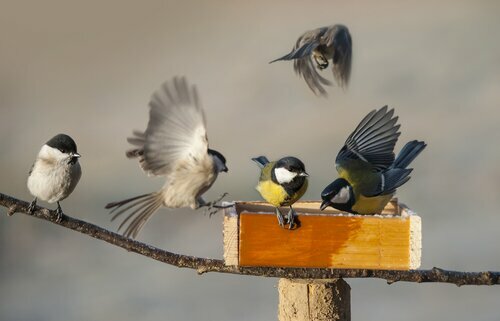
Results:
369 172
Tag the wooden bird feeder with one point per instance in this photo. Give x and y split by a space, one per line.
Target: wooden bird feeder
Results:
390 240
324 239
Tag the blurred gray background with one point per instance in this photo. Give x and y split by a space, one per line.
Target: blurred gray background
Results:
88 69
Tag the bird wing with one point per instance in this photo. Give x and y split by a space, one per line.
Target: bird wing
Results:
176 131
261 161
303 64
384 183
371 144
339 38
398 173
305 67
266 171
304 45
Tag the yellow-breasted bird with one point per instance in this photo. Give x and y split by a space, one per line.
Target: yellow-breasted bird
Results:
369 174
282 183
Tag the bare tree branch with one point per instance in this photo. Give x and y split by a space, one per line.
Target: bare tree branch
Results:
203 265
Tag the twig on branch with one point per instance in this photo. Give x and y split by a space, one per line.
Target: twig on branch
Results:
204 265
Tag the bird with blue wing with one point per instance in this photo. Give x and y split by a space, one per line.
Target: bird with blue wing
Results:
369 172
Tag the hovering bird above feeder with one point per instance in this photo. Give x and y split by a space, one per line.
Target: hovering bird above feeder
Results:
313 51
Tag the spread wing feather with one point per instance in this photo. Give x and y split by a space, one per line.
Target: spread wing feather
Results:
339 38
333 40
304 45
398 173
176 130
372 142
303 64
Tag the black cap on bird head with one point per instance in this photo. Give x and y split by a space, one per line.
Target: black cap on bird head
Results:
292 164
338 195
221 157
63 143
289 172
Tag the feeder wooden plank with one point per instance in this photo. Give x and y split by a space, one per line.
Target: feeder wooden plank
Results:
231 240
325 241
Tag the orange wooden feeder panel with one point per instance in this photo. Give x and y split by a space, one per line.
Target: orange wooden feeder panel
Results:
324 239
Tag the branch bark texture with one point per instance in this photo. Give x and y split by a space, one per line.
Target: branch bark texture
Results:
204 265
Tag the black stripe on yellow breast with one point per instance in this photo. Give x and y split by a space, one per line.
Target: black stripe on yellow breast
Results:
280 195
277 195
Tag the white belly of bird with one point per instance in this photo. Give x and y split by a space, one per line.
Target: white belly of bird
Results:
53 183
188 184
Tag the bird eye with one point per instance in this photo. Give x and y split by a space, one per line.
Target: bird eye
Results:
62 150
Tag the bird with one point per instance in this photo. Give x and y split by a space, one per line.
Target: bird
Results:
282 183
369 173
318 46
55 172
175 146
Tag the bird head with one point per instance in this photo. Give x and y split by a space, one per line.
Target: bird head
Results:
219 160
338 195
62 148
289 169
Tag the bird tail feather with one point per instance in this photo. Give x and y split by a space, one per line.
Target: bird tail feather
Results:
261 161
409 152
142 206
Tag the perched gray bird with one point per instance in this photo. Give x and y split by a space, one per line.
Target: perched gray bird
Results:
55 173
318 46
174 145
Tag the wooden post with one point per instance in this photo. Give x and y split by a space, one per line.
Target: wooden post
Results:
314 300
322 239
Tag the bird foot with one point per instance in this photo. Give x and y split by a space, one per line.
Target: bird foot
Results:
59 213
281 218
321 62
291 218
213 207
322 66
32 206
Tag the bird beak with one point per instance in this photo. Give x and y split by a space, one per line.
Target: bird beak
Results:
324 204
225 169
303 174
73 158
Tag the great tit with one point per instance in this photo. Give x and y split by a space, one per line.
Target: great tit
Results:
318 46
368 173
55 173
174 145
282 183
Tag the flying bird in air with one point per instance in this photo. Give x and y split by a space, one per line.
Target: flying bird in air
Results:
174 145
314 49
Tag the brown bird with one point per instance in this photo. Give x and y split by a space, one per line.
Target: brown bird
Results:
318 46
174 145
